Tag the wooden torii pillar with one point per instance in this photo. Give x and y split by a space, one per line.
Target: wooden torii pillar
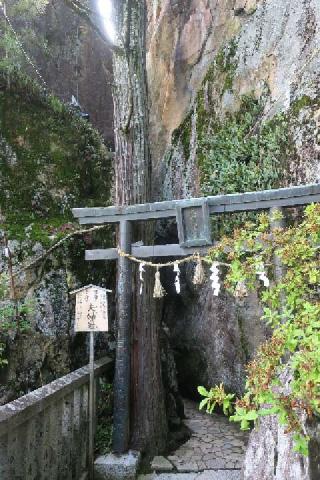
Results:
193 225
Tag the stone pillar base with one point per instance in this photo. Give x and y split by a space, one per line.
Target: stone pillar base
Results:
117 467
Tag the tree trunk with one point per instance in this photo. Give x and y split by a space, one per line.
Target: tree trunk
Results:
133 185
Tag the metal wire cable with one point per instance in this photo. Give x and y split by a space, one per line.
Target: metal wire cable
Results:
20 45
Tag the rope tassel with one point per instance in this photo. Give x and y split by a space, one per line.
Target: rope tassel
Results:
199 275
158 291
241 290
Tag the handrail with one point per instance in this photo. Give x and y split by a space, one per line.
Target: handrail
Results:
21 410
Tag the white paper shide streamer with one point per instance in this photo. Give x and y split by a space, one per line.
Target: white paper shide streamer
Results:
141 272
215 280
262 275
176 269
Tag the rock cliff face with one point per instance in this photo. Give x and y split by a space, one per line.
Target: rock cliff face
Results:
183 38
275 59
212 337
226 79
235 106
75 61
50 161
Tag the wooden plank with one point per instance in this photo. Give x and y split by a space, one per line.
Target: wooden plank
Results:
171 250
239 202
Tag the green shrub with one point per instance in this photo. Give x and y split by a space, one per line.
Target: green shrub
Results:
284 377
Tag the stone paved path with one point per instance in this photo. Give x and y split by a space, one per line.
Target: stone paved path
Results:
215 450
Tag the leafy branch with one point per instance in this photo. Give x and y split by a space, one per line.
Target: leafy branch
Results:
41 258
283 379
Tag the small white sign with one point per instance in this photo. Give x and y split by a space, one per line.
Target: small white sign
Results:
91 309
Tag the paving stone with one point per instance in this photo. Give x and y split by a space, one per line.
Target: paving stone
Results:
237 450
209 456
188 467
216 463
238 458
219 443
161 464
178 476
220 475
236 443
218 453
207 440
187 454
215 447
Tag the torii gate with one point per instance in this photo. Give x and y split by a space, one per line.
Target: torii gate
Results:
193 225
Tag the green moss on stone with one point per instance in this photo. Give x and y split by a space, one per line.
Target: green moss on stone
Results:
183 135
226 65
50 161
233 157
236 152
300 103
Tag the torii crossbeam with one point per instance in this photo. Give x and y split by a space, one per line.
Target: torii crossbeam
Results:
193 224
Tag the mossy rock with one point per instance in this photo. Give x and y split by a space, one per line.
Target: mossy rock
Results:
51 160
235 148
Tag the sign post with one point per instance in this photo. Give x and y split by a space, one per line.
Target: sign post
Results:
91 316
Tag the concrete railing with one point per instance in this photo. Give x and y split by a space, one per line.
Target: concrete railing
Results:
44 434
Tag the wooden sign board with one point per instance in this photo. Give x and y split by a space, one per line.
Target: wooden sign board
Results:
91 309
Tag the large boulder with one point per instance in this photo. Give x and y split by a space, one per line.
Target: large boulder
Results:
270 454
213 337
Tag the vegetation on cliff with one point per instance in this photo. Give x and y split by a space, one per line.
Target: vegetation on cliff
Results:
283 379
50 161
